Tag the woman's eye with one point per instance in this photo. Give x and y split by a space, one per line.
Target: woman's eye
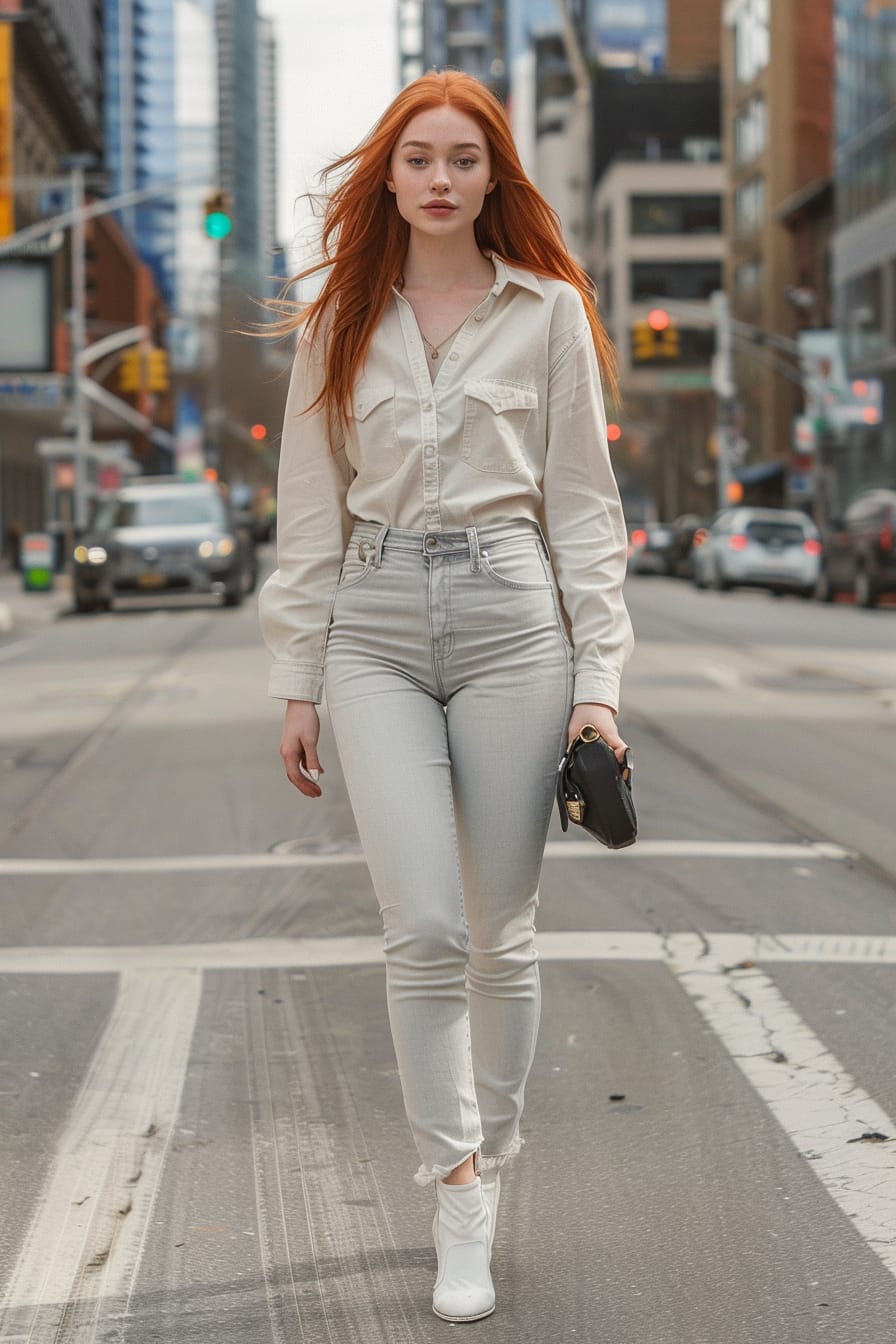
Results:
466 163
415 163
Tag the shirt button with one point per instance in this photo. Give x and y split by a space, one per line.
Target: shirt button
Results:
478 317
429 449
454 356
427 405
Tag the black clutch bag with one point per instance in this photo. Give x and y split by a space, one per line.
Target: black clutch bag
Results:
595 791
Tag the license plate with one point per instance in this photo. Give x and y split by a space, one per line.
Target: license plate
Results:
152 579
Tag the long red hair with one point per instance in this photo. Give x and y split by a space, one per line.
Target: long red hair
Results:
365 248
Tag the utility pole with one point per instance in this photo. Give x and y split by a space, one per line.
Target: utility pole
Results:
723 386
78 328
578 139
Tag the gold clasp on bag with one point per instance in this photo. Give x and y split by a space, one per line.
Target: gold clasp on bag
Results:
575 810
589 733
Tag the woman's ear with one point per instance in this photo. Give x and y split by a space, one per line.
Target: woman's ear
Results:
493 182
390 184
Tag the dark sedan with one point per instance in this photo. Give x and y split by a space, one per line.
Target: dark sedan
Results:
159 537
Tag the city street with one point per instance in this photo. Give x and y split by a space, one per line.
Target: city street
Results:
202 1129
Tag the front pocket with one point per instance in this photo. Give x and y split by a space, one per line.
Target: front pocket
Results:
354 570
376 431
518 565
495 419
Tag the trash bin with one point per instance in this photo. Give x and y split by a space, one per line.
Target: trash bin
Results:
36 556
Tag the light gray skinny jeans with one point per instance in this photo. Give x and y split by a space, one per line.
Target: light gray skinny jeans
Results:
449 688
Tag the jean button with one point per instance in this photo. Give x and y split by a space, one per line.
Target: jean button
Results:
431 543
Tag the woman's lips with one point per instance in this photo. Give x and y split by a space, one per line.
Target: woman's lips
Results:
440 209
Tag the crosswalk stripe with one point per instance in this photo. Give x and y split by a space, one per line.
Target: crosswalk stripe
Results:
82 1249
287 856
365 950
847 1139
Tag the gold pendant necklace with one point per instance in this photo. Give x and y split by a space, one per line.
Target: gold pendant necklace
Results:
434 349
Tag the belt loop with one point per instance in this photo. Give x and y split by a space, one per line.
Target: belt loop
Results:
473 541
378 545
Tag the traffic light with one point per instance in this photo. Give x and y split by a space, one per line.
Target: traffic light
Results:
130 370
157 370
218 222
655 338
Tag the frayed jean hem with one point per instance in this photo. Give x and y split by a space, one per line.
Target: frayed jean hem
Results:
487 1162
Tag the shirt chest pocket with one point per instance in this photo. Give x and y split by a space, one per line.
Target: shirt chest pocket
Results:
376 429
495 417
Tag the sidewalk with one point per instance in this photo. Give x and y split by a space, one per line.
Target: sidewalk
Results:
21 611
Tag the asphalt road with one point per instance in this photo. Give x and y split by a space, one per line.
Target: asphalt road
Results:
201 1132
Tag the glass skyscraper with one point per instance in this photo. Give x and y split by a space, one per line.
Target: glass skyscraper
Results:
864 245
141 135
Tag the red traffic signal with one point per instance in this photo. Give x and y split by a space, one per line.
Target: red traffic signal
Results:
658 319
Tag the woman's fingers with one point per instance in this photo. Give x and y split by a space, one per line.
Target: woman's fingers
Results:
298 747
297 759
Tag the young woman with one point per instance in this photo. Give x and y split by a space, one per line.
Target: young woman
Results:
451 552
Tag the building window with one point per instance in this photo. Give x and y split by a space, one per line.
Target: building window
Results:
747 285
605 294
676 214
674 280
750 130
751 39
606 227
749 207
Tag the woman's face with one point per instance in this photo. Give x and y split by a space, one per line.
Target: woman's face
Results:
440 172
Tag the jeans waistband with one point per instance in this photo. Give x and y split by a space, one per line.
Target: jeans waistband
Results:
374 538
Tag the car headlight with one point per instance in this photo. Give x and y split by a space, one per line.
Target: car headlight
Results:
206 548
90 555
225 546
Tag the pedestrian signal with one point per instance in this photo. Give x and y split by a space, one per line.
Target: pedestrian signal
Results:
218 222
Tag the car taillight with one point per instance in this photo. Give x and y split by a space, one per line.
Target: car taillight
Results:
737 542
639 537
811 546
700 536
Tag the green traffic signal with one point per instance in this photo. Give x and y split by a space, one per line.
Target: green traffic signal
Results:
217 224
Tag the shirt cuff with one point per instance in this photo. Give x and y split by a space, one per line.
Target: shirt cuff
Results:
296 681
591 688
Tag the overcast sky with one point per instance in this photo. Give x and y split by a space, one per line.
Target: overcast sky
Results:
338 69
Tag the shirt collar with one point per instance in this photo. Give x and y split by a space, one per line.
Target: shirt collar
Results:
506 273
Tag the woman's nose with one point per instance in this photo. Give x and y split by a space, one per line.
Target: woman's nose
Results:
439 181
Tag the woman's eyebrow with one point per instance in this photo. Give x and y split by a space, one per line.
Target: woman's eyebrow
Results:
424 144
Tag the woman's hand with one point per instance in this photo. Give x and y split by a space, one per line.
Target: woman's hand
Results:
298 746
604 720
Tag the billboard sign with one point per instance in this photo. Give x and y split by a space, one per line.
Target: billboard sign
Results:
26 344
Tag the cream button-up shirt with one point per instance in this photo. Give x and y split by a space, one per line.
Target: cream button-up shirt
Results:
512 426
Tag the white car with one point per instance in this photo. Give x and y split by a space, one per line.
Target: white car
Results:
778 549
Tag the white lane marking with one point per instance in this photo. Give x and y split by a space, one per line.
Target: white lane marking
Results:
818 1104
85 1239
727 677
729 949
559 849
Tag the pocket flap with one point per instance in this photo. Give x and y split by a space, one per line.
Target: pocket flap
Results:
501 396
368 398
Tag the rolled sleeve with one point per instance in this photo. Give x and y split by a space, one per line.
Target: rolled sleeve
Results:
313 525
584 524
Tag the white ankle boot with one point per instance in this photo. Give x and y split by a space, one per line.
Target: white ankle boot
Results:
464 1289
491 1193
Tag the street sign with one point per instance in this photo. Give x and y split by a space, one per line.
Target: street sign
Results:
27 392
698 379
36 561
